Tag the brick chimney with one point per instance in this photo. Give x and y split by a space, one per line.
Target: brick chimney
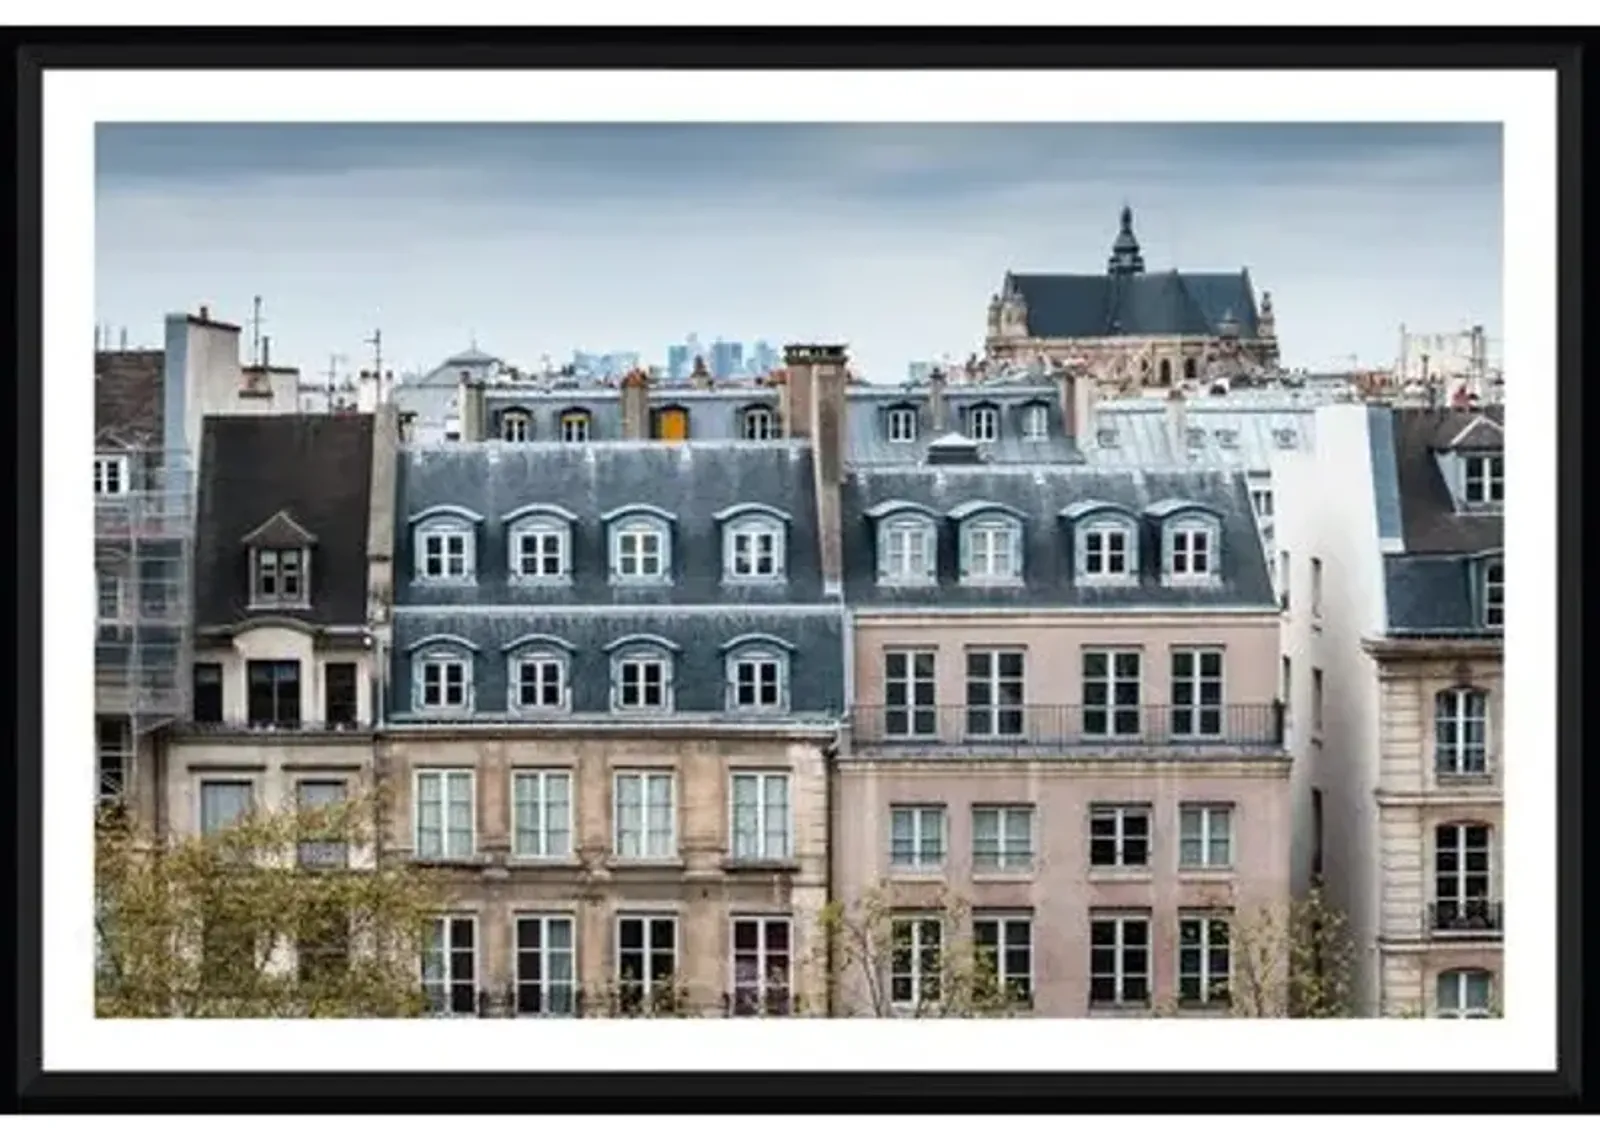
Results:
814 406
470 404
636 405
1078 394
938 415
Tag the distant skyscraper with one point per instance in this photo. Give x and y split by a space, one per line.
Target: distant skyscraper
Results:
678 362
727 358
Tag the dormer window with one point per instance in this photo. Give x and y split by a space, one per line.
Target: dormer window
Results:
983 423
991 551
1285 438
641 675
280 559
575 426
758 674
641 548
902 424
441 675
516 426
1189 550
539 543
1107 438
906 551
1494 594
753 542
1485 483
538 675
1105 551
110 475
758 423
1035 422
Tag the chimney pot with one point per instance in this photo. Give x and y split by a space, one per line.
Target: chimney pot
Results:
205 313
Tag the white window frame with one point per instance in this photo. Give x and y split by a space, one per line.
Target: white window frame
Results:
902 425
637 530
1261 501
542 662
766 989
1188 670
111 475
576 426
443 533
446 925
778 663
1460 708
1002 922
540 533
1212 988
1205 824
753 530
990 718
1091 553
260 558
222 780
547 828
1484 480
999 553
622 662
1113 678
758 423
1121 946
921 859
119 598
917 926
421 662
916 544
652 844
1182 547
1494 594
648 951
449 778
1121 835
1460 1009
983 423
900 668
1008 855
767 811
516 427
1035 422
1461 878
548 983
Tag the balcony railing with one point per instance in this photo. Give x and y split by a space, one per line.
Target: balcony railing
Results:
280 726
1031 728
1469 918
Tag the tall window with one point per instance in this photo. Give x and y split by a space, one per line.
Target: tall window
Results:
111 605
1119 959
759 425
1494 594
1004 946
902 426
322 947
906 553
760 817
1189 551
1205 837
991 551
208 694
444 555
639 552
339 694
908 696
450 966
1110 694
1196 693
114 742
646 815
274 692
1461 877
444 814
1316 699
110 475
539 683
762 966
1486 483
321 845
1002 839
757 681
983 423
916 837
224 802
647 962
1461 732
515 427
642 682
1316 588
541 813
444 683
1119 837
1204 959
1105 551
1035 423
994 694
547 970
1261 501
1464 994
539 552
575 427
916 967
755 551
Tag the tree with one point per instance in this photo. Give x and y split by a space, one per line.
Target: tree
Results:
272 916
1292 961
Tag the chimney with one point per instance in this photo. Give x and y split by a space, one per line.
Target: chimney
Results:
794 398
470 405
937 413
266 353
700 377
1178 421
822 373
636 405
1081 393
205 313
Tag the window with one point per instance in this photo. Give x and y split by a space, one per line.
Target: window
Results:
1035 423
547 970
541 813
539 683
110 475
1196 693
1002 838
670 423
1461 878
1316 699
760 815
450 966
756 681
991 552
1486 483
112 598
638 552
906 552
1204 960
208 694
339 694
1283 580
762 965
515 427
1285 438
902 426
222 803
1261 501
408 426
1287 672
908 696
1189 551
575 427
1494 594
646 815
114 744
1005 948
983 423
273 692
916 958
642 682
444 555
754 551
322 947
1464 994
994 694
444 682
1105 551
1227 438
320 844
539 552
279 577
1119 837
759 425
1205 837
1110 694
1119 960
1316 834
1461 731
445 814
1107 438
916 837
647 962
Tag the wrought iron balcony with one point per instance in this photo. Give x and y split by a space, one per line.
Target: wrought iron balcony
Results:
283 725
1466 918
1033 729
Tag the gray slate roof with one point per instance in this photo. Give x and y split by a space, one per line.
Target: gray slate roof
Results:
1040 495
1136 305
315 466
867 426
714 414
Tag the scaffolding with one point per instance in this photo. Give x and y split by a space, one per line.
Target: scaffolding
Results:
144 547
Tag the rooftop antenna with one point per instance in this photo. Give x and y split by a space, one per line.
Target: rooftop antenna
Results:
376 341
124 337
255 330
332 375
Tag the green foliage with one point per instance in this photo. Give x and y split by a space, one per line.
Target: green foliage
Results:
1295 961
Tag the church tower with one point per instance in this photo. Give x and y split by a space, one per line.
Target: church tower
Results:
1125 256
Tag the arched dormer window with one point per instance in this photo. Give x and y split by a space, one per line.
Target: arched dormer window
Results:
642 674
990 542
906 543
983 422
516 426
758 673
539 543
539 675
575 425
444 540
758 423
1105 548
900 424
441 674
640 544
1190 541
754 543
1461 733
1035 420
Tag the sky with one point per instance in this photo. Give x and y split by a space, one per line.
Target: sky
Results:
539 239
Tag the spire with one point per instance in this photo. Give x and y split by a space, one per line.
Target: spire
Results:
1125 257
